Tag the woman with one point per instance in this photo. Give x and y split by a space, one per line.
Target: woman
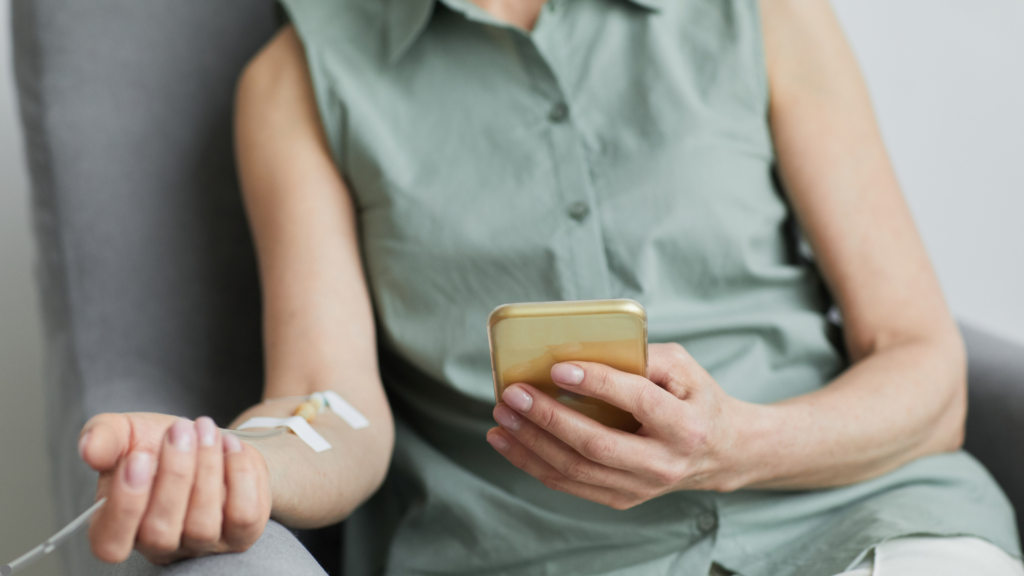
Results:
465 154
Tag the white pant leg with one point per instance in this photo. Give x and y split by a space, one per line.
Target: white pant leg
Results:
938 557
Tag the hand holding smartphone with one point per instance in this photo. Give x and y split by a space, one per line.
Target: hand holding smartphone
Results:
526 340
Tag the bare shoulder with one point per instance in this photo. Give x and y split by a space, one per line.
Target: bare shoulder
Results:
806 49
278 71
281 55
275 99
796 21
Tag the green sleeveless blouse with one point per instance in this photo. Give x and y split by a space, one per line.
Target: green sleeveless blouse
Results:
620 150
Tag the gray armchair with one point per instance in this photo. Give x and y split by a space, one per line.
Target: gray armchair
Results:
147 270
995 419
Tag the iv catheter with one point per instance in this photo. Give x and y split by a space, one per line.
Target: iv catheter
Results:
306 412
51 543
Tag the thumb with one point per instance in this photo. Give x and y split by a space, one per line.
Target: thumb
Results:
104 439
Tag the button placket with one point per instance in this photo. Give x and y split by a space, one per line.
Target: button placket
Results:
585 266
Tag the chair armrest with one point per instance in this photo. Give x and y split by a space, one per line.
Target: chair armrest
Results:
995 418
277 551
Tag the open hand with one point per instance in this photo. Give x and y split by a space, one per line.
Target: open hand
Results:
175 488
687 440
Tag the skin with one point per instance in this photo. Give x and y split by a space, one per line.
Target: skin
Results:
210 496
521 13
903 397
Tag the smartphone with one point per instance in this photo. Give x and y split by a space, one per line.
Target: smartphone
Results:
527 339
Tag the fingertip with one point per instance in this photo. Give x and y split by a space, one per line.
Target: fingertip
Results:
207 431
497 440
565 373
182 435
517 398
139 471
83 445
100 448
507 417
232 445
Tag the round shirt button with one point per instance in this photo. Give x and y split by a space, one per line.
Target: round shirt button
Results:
578 211
706 522
559 112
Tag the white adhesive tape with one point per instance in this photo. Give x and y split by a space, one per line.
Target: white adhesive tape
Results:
297 424
339 406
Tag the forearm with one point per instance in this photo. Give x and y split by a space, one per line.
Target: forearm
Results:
889 408
318 319
312 489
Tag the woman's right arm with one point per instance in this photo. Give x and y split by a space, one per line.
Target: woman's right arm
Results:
212 494
318 320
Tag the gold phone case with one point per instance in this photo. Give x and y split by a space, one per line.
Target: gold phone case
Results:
526 340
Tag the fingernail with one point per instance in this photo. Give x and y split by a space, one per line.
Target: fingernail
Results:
507 418
82 443
232 443
567 373
518 399
498 442
207 431
183 435
139 470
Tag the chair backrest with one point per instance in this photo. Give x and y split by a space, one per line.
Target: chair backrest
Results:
149 283
995 415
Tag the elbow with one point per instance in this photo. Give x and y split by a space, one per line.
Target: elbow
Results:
379 461
371 471
953 422
383 461
954 429
951 435
956 442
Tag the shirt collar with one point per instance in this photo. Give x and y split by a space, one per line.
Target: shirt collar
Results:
407 19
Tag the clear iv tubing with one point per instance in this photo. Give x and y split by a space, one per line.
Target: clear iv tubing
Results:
51 543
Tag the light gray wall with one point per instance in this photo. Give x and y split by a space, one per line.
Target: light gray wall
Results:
946 77
26 514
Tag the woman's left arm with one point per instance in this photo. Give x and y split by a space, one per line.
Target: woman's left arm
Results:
904 395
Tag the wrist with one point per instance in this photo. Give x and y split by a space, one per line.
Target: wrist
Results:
750 457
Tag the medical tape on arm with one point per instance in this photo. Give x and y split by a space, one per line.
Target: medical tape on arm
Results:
350 415
306 412
297 424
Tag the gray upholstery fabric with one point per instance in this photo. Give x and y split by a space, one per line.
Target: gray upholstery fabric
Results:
277 552
147 271
995 419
